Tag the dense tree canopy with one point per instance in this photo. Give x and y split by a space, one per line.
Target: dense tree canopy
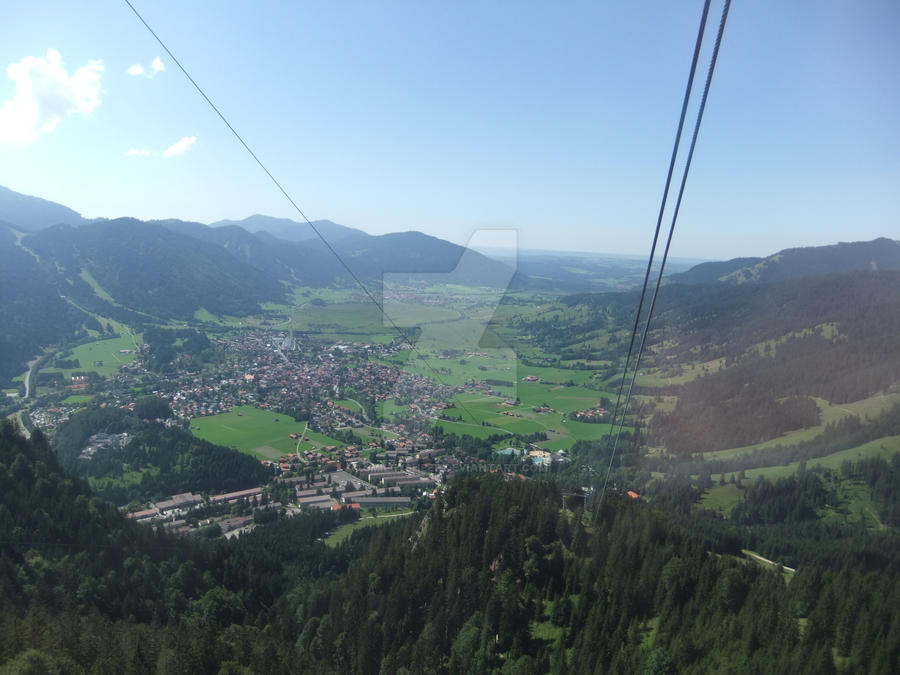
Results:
496 576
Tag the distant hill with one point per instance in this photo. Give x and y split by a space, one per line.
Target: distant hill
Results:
290 230
150 269
32 313
271 257
30 214
796 263
370 257
745 361
57 277
419 255
277 250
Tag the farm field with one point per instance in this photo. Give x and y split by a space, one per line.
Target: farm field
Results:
561 432
259 321
364 321
77 398
105 351
262 433
491 364
305 294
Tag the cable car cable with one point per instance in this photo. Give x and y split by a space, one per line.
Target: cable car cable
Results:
403 335
686 170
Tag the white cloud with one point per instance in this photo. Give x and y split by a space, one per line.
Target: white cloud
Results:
45 94
156 66
179 147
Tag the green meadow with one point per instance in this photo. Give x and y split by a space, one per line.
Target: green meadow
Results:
343 532
77 398
561 431
363 322
491 364
263 433
353 406
101 356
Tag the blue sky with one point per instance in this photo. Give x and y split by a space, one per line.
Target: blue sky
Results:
553 119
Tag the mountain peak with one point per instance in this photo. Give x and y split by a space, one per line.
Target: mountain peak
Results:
30 214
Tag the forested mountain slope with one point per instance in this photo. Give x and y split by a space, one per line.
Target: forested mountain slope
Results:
55 263
168 461
796 263
153 270
744 359
495 577
767 349
32 313
285 229
258 249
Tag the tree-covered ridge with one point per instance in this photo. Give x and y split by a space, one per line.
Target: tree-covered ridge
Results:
495 577
523 588
32 313
82 589
756 352
153 270
795 263
169 460
849 432
883 478
832 338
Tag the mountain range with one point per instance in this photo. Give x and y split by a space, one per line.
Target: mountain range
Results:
61 271
172 268
795 263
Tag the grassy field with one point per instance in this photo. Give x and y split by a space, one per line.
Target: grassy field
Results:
344 532
304 294
313 440
855 504
721 498
353 406
561 431
262 433
131 476
257 321
98 290
104 352
77 398
363 321
491 364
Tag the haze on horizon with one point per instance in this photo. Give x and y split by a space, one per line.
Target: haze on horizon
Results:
556 123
